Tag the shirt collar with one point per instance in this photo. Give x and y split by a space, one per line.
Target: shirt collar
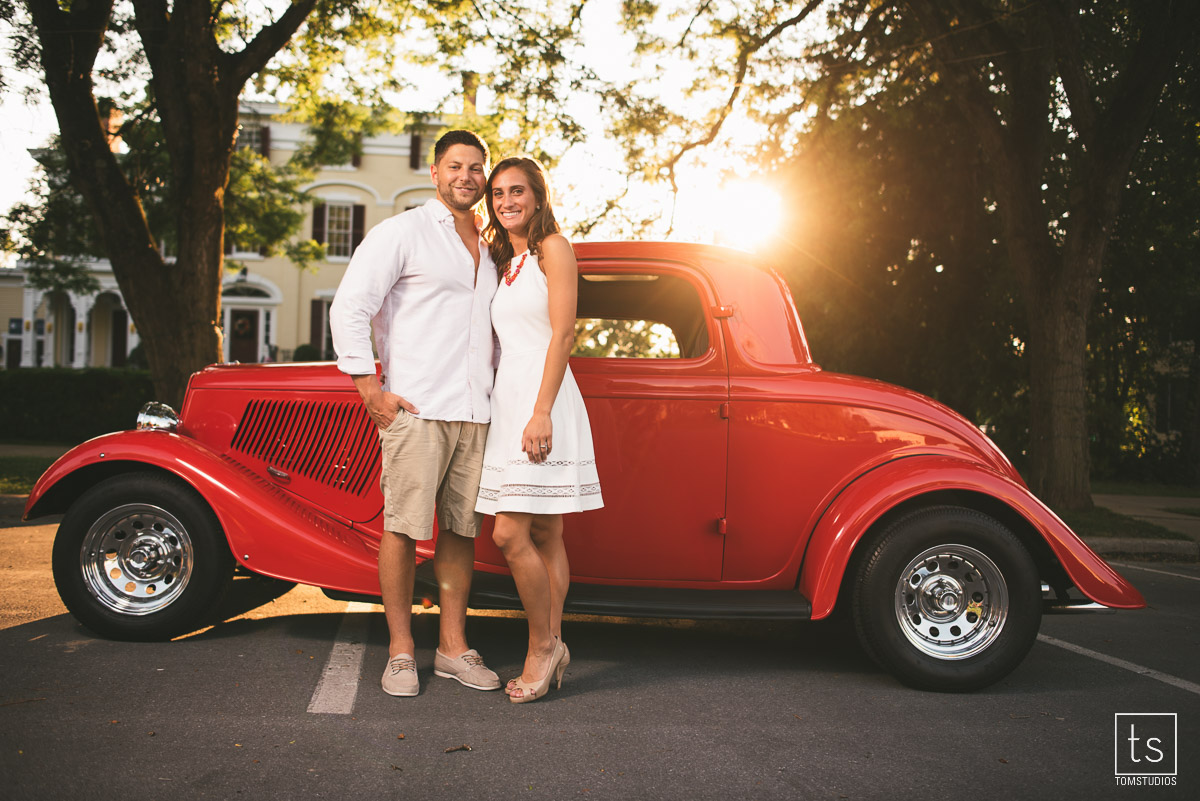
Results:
441 212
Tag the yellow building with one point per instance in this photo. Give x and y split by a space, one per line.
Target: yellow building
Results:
270 307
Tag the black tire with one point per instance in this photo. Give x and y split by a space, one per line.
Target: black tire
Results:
947 599
141 556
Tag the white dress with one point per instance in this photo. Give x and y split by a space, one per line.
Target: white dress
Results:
567 480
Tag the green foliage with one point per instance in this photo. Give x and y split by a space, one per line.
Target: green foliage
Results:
307 352
44 405
1144 366
57 237
337 129
340 75
631 339
899 251
264 205
18 474
348 63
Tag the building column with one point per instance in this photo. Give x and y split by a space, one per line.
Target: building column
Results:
225 310
28 337
268 322
133 339
83 307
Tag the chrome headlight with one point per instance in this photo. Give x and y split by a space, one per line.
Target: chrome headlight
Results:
157 416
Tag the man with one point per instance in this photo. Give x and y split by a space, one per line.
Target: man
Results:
425 281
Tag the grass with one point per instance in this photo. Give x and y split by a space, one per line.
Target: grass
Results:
1194 511
18 473
1103 523
1143 488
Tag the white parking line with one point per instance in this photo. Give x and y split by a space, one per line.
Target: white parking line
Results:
1149 673
339 681
1160 572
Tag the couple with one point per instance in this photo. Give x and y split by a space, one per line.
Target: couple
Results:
433 287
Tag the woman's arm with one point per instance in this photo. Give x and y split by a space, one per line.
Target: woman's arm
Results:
558 262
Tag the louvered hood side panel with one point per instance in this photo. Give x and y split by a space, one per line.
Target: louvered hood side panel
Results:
324 450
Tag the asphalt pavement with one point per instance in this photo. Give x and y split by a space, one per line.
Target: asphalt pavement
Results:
649 710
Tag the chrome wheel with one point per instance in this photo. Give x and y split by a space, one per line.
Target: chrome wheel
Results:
136 559
951 601
947 599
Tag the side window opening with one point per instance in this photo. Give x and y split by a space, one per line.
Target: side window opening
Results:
637 316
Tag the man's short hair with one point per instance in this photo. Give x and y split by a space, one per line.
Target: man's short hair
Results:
459 137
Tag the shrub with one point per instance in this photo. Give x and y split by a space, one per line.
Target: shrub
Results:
62 405
306 353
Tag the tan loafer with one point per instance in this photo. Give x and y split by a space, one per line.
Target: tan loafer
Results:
467 669
400 676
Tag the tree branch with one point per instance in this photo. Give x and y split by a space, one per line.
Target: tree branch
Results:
688 30
748 48
268 42
1071 69
1140 85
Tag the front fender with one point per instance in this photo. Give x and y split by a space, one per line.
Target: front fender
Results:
861 504
269 531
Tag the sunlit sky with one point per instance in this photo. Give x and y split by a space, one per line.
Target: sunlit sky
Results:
709 207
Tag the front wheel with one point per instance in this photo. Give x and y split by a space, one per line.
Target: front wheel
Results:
947 599
141 556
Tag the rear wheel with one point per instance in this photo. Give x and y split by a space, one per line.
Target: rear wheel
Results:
947 599
141 556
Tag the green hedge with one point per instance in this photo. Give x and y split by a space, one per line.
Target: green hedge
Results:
62 405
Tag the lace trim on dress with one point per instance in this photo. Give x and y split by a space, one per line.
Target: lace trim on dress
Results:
538 491
547 463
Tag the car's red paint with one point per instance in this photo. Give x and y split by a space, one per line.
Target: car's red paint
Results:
253 512
742 467
877 491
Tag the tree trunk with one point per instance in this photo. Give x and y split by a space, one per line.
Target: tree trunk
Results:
1059 454
196 84
1034 51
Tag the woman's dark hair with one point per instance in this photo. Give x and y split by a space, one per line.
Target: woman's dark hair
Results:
541 225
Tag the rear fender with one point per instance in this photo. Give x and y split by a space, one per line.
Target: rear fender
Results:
865 501
269 531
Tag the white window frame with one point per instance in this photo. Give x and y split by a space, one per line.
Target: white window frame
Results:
348 208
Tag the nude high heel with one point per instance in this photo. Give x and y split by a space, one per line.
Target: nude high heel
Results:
562 663
532 692
566 660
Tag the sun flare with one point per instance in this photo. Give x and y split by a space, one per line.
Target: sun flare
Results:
739 214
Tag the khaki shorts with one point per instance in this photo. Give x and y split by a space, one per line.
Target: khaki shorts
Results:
428 462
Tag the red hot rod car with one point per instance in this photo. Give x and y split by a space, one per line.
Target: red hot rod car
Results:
740 481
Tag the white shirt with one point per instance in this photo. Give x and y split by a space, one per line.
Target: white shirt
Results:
414 280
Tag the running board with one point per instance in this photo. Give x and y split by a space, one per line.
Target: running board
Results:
1074 608
1060 602
496 591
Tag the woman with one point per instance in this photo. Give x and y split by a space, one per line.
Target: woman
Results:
538 463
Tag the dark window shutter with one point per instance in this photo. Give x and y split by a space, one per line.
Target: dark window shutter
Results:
414 152
319 223
264 141
316 325
359 223
356 159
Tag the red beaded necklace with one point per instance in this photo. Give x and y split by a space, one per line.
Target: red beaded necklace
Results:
512 273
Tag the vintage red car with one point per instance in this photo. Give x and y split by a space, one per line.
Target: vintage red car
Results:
740 481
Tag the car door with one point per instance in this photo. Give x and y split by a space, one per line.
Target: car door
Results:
650 363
